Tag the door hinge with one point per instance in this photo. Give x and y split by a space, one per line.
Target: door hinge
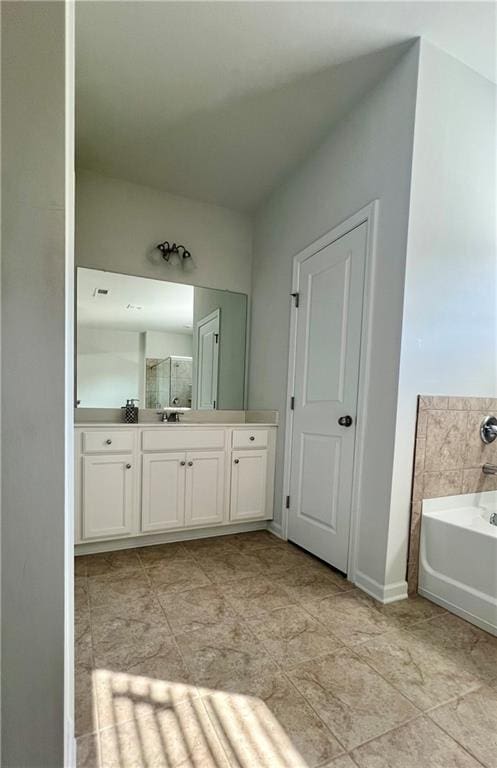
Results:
296 297
214 404
216 338
292 403
287 505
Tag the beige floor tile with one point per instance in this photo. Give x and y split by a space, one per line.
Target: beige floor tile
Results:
132 602
138 648
81 599
345 761
177 576
291 635
80 566
309 583
179 737
196 608
472 649
352 616
210 545
419 744
112 589
412 611
423 672
275 560
123 696
278 729
121 563
86 720
226 658
228 566
87 752
350 697
472 721
256 596
162 553
255 540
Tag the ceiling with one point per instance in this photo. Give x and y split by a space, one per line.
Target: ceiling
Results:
163 306
218 101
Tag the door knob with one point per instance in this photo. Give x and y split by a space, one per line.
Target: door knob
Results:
251 437
128 466
182 463
237 461
109 441
190 463
345 421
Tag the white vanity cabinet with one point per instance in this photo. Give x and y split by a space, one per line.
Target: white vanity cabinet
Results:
153 479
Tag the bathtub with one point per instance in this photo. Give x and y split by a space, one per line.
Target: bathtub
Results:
458 556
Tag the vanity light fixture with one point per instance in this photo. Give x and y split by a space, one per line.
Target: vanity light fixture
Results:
176 255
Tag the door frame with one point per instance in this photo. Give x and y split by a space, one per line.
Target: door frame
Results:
369 215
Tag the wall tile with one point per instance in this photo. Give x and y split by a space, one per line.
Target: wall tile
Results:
445 483
419 456
445 440
432 402
474 481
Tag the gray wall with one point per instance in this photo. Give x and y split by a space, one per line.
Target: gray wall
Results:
449 334
33 316
118 225
367 156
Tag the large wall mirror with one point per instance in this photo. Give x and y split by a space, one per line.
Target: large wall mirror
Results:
165 344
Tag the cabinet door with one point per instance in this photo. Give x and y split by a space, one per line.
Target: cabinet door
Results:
248 484
107 496
163 491
204 487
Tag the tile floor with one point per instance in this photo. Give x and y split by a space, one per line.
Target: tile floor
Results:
244 652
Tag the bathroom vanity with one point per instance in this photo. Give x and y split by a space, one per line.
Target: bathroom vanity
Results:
153 482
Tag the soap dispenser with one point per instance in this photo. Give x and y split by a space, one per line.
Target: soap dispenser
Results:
130 411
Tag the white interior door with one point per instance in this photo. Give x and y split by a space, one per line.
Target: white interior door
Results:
207 360
328 339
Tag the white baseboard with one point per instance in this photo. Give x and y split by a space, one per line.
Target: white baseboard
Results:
70 756
275 528
94 547
384 593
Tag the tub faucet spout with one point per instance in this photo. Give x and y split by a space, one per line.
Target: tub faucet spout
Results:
489 469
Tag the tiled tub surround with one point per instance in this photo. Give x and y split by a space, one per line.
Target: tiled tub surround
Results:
245 652
449 456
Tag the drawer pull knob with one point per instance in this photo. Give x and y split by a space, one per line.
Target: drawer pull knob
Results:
128 466
182 463
190 463
108 441
251 437
237 461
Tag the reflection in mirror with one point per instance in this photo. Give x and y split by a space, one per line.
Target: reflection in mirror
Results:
165 344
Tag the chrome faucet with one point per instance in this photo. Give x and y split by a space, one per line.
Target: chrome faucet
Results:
171 417
489 469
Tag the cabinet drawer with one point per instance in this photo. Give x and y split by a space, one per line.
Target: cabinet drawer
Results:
108 441
177 439
250 438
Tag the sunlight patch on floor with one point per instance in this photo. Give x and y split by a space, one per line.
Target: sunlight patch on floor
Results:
150 722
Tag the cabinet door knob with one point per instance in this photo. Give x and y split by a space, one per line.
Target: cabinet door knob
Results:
108 441
128 466
182 463
190 463
237 461
251 437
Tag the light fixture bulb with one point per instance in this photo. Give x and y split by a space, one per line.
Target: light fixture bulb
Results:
187 262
